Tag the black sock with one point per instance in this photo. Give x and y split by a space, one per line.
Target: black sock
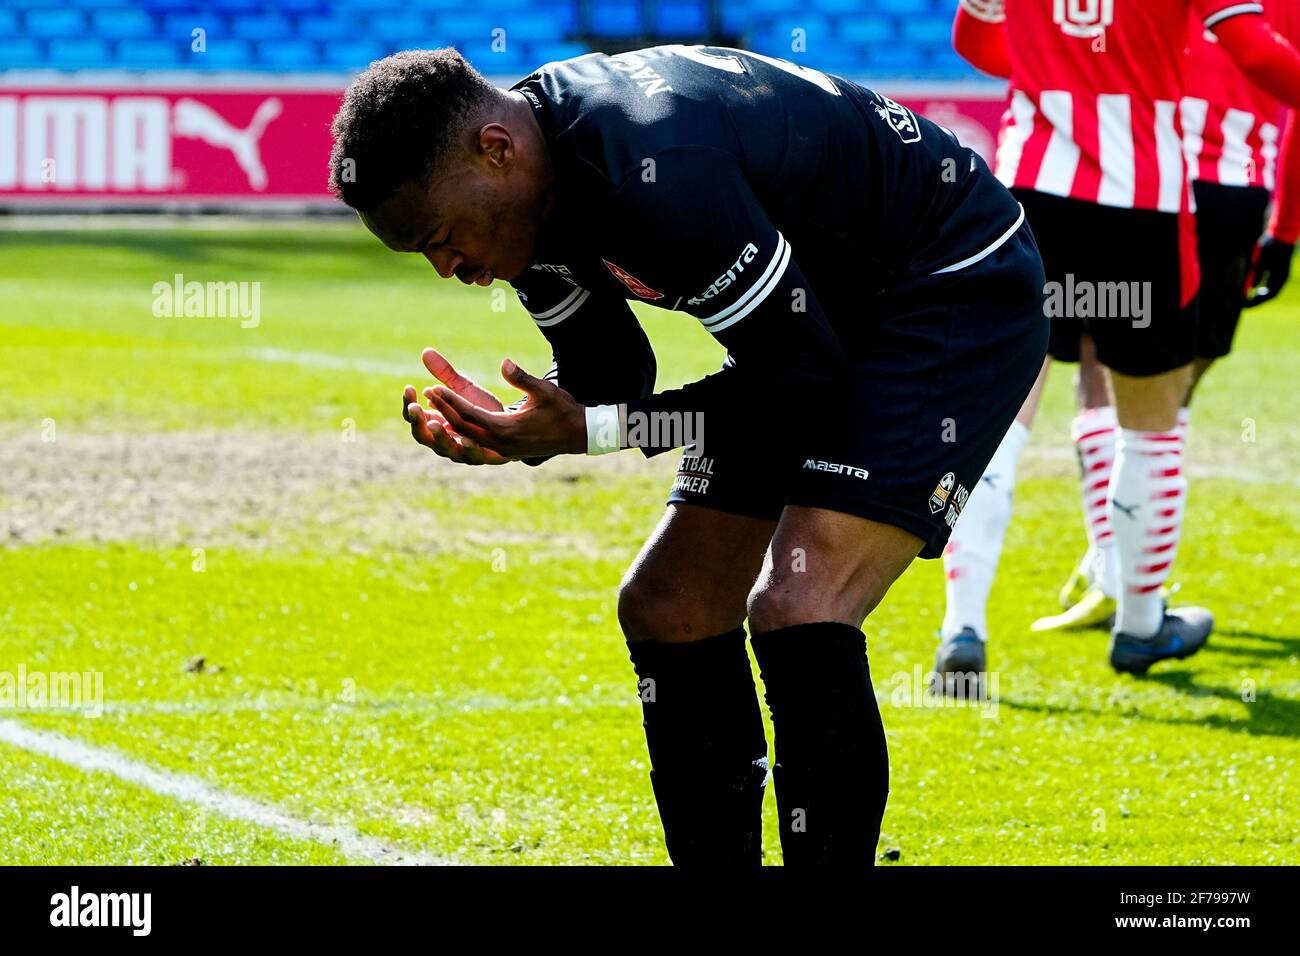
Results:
708 754
832 766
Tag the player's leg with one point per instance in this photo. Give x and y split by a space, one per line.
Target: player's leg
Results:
970 560
681 607
950 364
1149 353
824 573
1088 595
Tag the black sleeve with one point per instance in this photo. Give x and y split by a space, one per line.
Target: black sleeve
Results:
691 229
599 353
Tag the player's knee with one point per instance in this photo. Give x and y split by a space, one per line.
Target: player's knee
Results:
646 608
778 601
774 604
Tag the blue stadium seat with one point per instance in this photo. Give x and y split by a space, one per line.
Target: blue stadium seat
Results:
466 26
55 23
122 24
305 6
762 8
327 28
8 24
906 8
224 54
238 6
82 53
680 18
866 29
181 26
291 55
508 63
22 53
894 58
945 62
540 53
736 20
162 6
351 7
351 54
529 27
616 18
270 26
149 54
777 37
933 31
405 29
856 7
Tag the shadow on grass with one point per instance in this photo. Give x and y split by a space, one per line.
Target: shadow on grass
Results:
1268 715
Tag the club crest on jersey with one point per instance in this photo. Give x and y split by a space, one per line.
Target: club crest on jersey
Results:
1083 18
638 287
900 119
941 492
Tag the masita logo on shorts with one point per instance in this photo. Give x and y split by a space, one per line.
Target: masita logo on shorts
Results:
941 492
835 468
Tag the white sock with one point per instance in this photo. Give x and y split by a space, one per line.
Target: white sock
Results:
1093 434
971 558
1184 423
1147 495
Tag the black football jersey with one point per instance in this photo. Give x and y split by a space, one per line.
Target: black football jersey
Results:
768 201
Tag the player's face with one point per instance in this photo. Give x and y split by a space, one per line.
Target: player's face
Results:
477 221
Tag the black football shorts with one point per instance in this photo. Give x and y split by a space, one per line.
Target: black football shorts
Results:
1229 223
943 366
1126 277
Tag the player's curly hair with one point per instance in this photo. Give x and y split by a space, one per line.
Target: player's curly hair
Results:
398 120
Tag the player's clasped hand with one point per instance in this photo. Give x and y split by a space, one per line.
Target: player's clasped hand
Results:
466 423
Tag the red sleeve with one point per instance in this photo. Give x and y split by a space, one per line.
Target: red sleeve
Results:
978 36
1285 224
1263 55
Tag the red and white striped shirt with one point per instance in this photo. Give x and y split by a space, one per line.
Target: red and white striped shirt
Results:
1094 99
1231 128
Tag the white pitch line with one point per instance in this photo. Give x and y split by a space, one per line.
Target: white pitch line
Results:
325 360
181 787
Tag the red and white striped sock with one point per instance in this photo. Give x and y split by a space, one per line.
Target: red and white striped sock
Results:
1093 434
971 558
1147 496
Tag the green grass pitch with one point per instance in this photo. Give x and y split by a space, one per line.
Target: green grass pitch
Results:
292 604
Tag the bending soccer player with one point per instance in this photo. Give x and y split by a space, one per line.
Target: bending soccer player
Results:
880 301
1091 147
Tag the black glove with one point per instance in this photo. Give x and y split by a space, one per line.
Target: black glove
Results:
1271 270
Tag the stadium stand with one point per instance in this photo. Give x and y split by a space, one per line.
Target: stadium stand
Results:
892 38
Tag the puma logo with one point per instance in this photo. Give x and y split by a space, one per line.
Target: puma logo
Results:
991 479
195 120
1130 510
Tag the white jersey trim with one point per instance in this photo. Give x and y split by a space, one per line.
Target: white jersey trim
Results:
987 250
759 291
571 304
1235 10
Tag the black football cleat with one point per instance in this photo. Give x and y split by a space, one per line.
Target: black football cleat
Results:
959 666
1183 632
